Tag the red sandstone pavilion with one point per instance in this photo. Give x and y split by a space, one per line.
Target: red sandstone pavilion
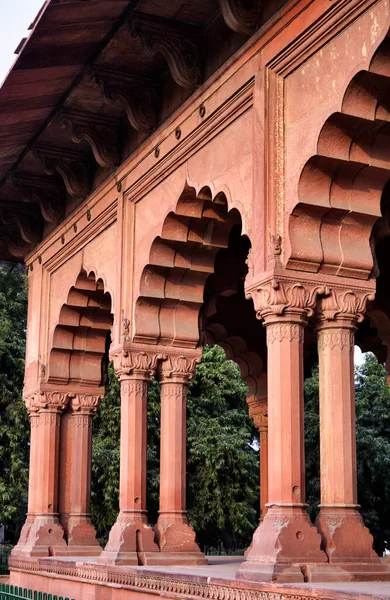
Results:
175 173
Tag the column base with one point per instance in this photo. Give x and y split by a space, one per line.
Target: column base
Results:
131 542
176 540
313 573
286 536
82 537
345 539
41 535
350 571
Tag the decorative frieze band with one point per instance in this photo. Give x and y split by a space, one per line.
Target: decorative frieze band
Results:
335 338
131 387
279 332
158 583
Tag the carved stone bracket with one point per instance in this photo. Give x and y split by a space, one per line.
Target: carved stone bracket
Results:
178 43
141 363
99 131
71 165
16 248
44 192
137 95
41 400
277 298
239 18
24 218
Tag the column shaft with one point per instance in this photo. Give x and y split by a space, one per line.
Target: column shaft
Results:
285 535
42 535
77 467
345 538
131 540
176 538
264 492
173 452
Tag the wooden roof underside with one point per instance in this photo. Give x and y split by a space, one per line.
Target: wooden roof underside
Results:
90 83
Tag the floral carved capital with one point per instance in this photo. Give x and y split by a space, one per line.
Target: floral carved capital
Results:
41 400
344 304
277 298
132 363
179 367
85 402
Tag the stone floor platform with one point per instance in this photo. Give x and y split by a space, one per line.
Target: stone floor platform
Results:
84 579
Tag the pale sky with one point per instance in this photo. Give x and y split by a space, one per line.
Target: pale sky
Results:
15 18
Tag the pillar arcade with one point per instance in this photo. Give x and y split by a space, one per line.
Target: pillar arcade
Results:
188 173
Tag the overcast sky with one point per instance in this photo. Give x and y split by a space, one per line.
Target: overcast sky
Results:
15 18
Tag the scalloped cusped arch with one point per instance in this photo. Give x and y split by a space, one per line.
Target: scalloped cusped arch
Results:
181 260
81 336
340 189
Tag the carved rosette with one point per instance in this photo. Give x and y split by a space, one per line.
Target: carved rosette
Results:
289 299
137 364
178 368
46 401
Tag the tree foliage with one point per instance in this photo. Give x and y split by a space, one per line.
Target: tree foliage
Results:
14 425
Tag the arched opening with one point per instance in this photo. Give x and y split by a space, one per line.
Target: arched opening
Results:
341 187
81 337
192 290
79 360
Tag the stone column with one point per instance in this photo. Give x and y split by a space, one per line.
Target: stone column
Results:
261 421
285 540
175 536
75 484
258 411
42 535
347 542
132 540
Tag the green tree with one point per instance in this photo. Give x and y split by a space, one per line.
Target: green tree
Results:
372 444
14 423
223 461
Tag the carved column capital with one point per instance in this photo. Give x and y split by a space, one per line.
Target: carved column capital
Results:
343 306
178 368
85 403
135 364
291 300
52 401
